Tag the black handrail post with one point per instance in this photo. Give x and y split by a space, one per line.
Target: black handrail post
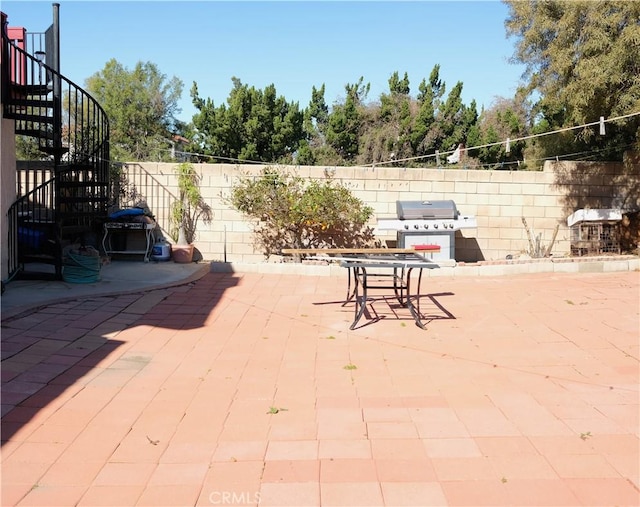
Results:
5 61
57 127
57 86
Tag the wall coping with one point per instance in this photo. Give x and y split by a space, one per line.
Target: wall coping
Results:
587 264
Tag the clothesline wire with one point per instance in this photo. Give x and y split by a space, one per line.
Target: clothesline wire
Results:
498 143
431 155
587 154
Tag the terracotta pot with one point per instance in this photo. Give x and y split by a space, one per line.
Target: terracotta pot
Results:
182 253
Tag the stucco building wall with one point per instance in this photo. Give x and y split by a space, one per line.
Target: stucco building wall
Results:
7 185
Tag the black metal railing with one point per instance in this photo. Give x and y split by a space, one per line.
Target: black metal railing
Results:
72 133
136 187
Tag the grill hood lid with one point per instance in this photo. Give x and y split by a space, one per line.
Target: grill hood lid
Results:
426 210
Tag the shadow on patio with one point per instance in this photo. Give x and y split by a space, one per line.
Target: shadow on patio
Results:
53 352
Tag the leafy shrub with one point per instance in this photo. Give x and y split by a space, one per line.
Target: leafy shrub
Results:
294 212
190 205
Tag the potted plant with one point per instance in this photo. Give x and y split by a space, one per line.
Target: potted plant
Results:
186 211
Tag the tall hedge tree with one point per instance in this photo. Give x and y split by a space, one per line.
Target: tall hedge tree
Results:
388 134
429 98
253 125
344 122
450 119
141 105
312 149
582 60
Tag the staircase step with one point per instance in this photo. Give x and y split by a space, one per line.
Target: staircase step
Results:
83 184
71 198
42 134
43 258
79 214
20 92
27 117
33 118
14 114
31 102
39 274
76 166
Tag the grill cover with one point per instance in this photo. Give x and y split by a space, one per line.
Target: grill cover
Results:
426 210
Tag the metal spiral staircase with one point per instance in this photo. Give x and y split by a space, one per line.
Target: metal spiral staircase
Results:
66 203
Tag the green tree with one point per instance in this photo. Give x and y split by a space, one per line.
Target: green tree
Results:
400 127
433 90
27 149
313 149
141 105
343 128
398 93
582 60
396 118
449 128
358 91
399 86
317 114
425 133
254 125
491 151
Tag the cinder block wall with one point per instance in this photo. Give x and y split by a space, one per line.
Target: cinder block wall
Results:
498 199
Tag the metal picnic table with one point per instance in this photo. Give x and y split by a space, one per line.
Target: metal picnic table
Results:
379 269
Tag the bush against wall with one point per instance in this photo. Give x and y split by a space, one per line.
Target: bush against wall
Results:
189 207
293 212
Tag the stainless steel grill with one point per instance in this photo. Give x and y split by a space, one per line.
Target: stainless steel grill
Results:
428 223
426 210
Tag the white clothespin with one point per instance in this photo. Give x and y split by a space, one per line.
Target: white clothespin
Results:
602 129
508 147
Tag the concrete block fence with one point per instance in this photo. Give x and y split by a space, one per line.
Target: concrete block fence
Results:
498 199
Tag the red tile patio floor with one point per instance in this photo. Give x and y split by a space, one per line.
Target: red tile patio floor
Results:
249 389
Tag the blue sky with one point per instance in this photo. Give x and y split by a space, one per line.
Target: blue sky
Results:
293 44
